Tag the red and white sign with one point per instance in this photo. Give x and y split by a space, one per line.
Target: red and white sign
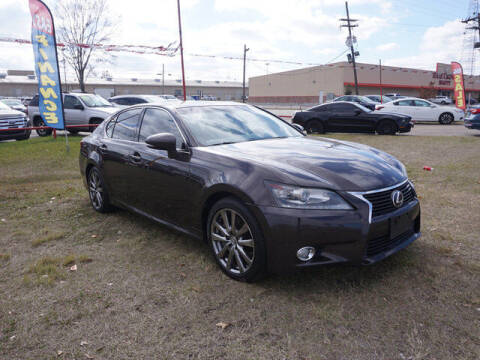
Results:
459 89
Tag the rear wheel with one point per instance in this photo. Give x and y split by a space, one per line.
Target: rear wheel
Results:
315 127
98 193
236 240
387 127
96 121
42 132
445 118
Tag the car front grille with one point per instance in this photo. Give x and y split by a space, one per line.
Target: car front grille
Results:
382 201
384 243
12 123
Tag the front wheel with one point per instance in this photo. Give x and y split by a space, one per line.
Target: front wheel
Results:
387 128
42 132
236 240
445 119
98 193
315 126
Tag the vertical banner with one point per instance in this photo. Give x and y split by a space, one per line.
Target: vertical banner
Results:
459 89
46 65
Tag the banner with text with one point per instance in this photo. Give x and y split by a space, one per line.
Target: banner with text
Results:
46 65
459 89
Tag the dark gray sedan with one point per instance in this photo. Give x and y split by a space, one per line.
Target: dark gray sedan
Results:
260 193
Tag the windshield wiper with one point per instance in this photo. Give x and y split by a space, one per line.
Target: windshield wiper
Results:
224 143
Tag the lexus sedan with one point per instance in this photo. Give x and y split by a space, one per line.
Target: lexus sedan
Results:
344 116
263 196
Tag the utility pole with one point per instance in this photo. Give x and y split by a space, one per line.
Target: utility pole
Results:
381 89
350 42
245 49
476 19
163 79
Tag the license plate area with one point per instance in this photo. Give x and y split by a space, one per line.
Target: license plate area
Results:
400 225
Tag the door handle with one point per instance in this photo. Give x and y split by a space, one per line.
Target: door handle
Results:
135 158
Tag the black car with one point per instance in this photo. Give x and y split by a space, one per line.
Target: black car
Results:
351 117
472 120
260 193
129 100
362 100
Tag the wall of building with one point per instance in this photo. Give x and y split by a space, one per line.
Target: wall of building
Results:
304 85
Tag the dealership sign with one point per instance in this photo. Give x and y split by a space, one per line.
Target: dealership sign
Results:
459 89
46 65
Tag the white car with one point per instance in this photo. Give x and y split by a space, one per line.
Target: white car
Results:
423 110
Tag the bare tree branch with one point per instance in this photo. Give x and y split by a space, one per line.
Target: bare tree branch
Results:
83 22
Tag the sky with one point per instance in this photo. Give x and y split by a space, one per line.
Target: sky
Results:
408 33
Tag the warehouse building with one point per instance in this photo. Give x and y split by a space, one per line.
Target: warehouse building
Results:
14 83
322 83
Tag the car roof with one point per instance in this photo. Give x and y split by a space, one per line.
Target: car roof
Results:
190 103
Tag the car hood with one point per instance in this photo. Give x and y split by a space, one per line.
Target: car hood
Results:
392 114
105 110
320 163
7 113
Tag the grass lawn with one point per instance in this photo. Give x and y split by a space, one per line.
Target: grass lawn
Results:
141 291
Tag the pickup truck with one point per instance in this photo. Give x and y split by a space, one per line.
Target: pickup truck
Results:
79 109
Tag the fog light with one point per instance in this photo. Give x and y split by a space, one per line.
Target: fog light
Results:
305 253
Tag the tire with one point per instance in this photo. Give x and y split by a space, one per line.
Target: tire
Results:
241 256
315 126
98 194
42 132
94 121
387 127
26 137
445 118
443 103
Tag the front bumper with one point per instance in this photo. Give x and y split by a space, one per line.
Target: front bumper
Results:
407 127
338 236
472 124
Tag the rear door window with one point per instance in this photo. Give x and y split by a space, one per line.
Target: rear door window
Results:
126 125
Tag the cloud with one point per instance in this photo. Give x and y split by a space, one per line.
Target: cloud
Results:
387 47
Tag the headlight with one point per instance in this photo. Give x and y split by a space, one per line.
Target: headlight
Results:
305 198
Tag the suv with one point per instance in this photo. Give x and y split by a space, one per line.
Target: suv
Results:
13 119
443 100
79 109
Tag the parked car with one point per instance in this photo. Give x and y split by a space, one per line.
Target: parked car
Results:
129 100
252 186
442 100
351 117
379 99
13 119
15 104
395 96
472 120
362 100
423 110
170 98
79 109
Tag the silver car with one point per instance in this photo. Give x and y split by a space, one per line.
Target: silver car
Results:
79 109
13 119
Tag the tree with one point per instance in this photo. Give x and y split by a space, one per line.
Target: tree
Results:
83 22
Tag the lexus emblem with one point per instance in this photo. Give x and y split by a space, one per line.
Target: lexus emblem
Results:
397 198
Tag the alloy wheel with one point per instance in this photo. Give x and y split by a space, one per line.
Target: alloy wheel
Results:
95 189
446 118
232 241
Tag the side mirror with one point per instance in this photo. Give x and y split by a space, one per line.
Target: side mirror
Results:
299 128
163 141
78 107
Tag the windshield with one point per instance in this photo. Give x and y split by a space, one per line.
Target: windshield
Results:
94 100
3 106
215 125
12 102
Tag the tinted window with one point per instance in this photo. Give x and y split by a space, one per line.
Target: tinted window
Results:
69 102
319 108
404 103
121 101
344 107
34 101
159 121
341 98
421 103
126 125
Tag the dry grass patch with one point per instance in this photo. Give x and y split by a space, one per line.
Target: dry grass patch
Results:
4 258
49 236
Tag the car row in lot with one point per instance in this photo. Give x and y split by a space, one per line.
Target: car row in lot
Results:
252 186
351 117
